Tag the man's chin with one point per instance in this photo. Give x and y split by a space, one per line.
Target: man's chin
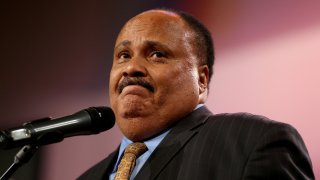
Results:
132 113
132 109
134 128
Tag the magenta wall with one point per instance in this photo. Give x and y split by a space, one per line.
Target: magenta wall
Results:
56 57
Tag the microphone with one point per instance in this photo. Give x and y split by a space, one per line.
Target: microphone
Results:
45 131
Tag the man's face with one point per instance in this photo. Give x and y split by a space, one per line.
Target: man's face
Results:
154 80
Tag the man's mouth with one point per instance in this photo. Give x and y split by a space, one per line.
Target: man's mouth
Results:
127 81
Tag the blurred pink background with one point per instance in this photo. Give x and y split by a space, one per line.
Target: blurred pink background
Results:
56 59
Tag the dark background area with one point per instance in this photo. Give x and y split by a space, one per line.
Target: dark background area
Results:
55 58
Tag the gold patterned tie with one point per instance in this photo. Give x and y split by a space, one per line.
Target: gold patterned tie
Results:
128 161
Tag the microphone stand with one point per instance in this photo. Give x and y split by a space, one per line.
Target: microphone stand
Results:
22 157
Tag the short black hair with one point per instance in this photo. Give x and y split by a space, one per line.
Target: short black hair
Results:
203 40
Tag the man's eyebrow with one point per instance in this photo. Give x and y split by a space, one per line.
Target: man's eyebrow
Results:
148 43
156 44
123 43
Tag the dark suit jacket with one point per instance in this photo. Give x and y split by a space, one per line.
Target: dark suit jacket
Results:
222 147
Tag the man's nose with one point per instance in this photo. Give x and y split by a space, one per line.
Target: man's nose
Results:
135 67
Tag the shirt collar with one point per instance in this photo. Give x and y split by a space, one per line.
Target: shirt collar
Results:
151 143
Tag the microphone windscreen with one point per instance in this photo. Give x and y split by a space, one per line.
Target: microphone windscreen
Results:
102 118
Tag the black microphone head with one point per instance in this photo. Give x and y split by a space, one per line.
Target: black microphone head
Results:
102 118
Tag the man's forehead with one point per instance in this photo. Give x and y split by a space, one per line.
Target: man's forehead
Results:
159 11
155 28
156 16
154 23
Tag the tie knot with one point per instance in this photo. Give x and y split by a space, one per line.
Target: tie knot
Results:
136 148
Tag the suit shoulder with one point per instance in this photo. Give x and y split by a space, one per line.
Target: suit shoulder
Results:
244 118
247 123
240 118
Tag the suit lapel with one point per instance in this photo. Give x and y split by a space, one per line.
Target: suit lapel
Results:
180 134
110 162
105 167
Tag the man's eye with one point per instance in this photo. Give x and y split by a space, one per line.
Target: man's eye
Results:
124 55
157 54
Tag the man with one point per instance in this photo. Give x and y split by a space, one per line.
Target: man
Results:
159 82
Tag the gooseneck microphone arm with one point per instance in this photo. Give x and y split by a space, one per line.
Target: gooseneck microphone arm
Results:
22 157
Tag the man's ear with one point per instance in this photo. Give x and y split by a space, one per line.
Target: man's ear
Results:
203 81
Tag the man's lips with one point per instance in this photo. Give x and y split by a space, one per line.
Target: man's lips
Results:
135 90
134 83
